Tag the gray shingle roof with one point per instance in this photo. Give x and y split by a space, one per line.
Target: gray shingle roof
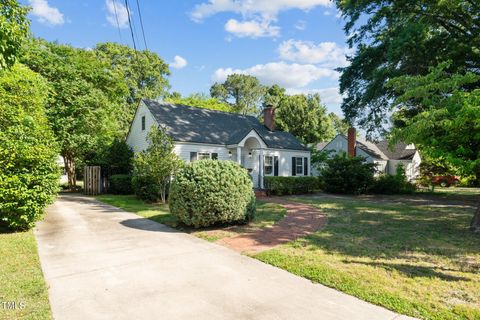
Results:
191 124
398 152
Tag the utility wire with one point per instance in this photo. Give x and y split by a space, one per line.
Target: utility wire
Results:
141 24
130 25
134 26
116 18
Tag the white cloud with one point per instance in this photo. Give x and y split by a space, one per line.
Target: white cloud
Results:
281 73
45 13
267 9
300 25
329 96
252 29
258 15
325 54
116 10
178 63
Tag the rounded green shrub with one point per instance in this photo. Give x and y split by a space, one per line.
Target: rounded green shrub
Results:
348 175
209 192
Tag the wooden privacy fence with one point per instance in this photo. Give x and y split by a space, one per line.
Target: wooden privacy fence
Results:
92 180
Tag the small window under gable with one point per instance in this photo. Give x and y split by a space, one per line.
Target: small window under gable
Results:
143 123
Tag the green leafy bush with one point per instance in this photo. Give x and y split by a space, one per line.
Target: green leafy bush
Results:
208 192
146 188
154 167
120 184
391 184
291 185
29 173
348 175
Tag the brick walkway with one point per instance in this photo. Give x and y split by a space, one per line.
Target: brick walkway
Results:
300 220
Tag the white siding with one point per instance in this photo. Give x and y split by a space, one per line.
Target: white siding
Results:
183 150
340 144
137 138
285 160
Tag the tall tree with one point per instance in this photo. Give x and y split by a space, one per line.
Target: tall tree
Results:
305 117
201 101
396 38
14 28
83 98
273 96
446 118
243 92
142 73
340 125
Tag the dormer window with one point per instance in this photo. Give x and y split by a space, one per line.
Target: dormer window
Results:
143 123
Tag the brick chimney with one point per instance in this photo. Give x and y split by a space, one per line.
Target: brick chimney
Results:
269 118
352 142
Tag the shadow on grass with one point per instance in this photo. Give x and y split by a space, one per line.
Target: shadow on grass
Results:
411 270
359 228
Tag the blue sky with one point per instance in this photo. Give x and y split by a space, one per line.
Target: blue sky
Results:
295 43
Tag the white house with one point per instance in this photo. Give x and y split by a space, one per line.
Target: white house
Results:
209 134
387 159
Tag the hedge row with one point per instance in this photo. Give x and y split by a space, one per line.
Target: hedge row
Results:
290 185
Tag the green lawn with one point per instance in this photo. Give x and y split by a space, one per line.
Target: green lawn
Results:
21 278
267 214
419 261
456 191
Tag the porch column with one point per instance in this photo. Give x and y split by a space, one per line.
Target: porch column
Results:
261 168
239 155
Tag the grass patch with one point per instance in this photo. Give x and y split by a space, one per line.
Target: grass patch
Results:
21 278
415 260
267 214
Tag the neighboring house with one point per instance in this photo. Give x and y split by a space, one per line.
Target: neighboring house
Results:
209 134
379 153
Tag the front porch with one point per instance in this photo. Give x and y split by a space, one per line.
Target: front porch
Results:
250 154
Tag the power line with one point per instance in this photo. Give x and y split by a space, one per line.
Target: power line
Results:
130 25
116 18
141 24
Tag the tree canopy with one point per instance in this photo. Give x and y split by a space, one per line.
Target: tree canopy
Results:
83 104
243 92
201 101
141 74
445 121
305 117
396 38
14 28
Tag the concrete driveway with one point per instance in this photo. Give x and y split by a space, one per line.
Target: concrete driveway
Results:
103 263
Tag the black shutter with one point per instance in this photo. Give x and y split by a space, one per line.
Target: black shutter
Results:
275 166
305 166
214 156
143 123
193 156
294 166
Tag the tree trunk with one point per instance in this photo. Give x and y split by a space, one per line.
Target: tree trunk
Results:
69 162
163 193
475 224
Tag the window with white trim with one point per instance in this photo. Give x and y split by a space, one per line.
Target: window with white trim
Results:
299 165
203 155
268 165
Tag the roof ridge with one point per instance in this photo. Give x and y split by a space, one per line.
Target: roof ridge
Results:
198 108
